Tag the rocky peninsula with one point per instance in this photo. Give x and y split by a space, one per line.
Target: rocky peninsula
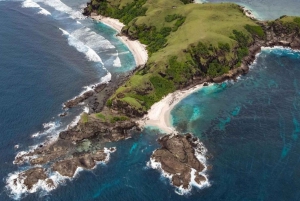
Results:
182 55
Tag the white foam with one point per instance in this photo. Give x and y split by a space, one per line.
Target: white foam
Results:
32 4
92 39
281 48
108 151
49 124
74 122
17 189
44 12
60 6
200 152
117 62
86 110
49 127
25 158
104 80
81 47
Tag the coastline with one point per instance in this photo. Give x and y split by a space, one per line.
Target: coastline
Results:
249 13
159 114
138 50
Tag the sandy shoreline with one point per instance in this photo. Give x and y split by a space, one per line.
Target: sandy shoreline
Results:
159 114
138 49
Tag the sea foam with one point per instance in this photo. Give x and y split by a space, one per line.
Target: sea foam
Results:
32 4
200 153
81 47
17 190
60 6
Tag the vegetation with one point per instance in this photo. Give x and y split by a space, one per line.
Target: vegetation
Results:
183 41
255 30
291 23
84 118
181 46
110 118
124 13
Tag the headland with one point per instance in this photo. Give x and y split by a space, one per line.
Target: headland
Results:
188 45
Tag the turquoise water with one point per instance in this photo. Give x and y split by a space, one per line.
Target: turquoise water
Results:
250 128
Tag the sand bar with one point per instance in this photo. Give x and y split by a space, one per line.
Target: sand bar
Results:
138 49
159 114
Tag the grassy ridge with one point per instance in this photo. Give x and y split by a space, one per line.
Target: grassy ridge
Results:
183 41
202 45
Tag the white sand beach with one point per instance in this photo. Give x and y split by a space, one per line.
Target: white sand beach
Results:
159 114
138 49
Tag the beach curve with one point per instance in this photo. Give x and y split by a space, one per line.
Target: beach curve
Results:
138 49
159 114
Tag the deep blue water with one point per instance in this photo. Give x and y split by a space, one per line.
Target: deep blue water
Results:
250 128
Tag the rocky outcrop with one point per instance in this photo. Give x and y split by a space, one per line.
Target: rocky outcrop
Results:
177 158
68 167
108 132
75 101
30 178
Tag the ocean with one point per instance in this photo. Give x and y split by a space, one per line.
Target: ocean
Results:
50 53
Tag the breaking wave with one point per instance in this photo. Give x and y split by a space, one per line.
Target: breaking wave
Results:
32 4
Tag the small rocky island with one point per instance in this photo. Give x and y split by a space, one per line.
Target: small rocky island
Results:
179 158
217 51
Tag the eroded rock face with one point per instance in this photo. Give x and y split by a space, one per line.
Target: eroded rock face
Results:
178 158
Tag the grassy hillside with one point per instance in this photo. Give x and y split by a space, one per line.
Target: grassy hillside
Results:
183 40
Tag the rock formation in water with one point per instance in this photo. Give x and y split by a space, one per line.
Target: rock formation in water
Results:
178 158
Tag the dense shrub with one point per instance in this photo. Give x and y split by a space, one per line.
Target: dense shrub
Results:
125 14
178 71
215 69
224 47
255 30
241 38
162 86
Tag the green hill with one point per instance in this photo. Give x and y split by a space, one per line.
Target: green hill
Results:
184 41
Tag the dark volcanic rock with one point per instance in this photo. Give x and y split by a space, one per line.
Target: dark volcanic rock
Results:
32 176
95 128
63 114
177 157
78 99
68 167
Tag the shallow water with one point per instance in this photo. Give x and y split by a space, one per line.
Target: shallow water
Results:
252 138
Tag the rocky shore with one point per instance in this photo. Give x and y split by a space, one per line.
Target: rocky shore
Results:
179 160
83 145
38 177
